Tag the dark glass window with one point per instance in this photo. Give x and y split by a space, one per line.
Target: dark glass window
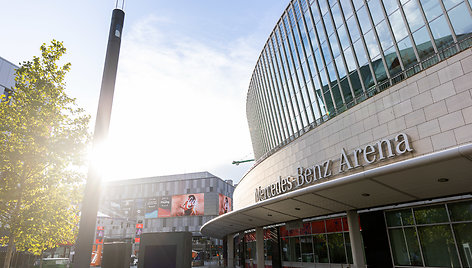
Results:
307 248
431 214
461 211
320 248
405 248
437 245
336 248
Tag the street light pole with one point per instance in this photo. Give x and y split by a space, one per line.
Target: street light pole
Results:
92 188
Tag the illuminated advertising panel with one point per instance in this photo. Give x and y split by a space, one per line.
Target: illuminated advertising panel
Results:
224 204
188 205
139 231
99 235
152 206
165 205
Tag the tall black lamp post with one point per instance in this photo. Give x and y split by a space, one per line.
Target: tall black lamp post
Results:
92 188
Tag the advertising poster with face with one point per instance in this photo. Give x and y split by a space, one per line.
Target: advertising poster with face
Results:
152 206
188 205
165 205
224 204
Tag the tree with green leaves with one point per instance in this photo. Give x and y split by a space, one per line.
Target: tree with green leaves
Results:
43 143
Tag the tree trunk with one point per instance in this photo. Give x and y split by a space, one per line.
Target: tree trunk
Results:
41 259
10 251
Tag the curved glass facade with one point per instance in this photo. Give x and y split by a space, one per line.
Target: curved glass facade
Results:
323 57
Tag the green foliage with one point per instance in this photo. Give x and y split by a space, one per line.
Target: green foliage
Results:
43 140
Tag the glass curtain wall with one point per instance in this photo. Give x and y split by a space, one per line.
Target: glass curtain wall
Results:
326 56
432 236
319 242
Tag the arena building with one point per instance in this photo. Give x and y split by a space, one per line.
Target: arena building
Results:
360 114
172 203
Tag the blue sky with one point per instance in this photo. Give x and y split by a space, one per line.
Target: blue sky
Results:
182 79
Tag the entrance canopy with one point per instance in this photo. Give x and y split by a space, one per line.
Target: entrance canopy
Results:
443 173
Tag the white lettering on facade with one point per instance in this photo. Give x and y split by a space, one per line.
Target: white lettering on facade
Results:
371 153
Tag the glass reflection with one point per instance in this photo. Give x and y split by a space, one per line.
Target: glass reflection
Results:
390 6
393 63
407 53
350 62
343 37
358 3
413 15
376 11
346 6
431 8
323 6
379 69
328 24
423 43
353 30
356 83
441 33
371 43
384 35
451 3
398 26
337 16
460 19
363 20
438 247
360 52
334 45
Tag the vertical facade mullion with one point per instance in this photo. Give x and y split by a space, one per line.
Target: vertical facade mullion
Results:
282 28
341 53
426 25
278 65
297 28
270 87
325 66
331 50
257 117
269 101
306 60
315 63
410 34
449 24
377 39
260 112
351 47
265 110
286 83
292 27
392 36
277 89
369 60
